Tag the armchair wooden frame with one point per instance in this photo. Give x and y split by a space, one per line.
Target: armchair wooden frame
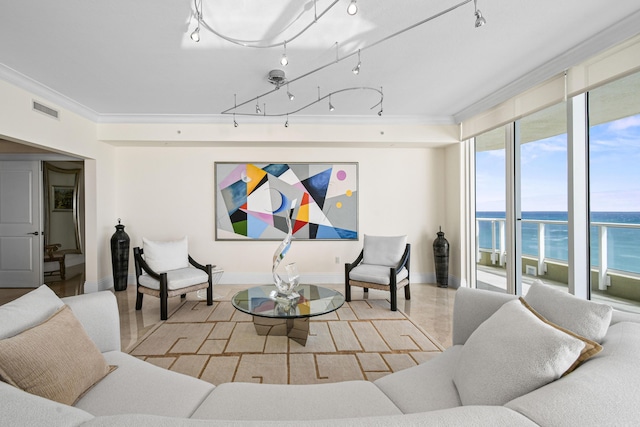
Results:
164 293
393 285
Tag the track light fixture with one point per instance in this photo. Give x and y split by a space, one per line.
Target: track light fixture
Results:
352 9
480 21
195 35
289 94
356 69
277 77
235 124
286 124
284 61
234 110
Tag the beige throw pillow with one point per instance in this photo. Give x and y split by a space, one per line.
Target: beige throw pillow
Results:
56 359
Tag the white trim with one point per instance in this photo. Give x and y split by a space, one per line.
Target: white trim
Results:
578 192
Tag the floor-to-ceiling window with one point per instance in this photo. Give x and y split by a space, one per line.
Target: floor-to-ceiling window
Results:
614 187
490 199
527 161
543 196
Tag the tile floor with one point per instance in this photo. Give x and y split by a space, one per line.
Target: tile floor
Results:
430 307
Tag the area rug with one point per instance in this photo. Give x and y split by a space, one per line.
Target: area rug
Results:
363 340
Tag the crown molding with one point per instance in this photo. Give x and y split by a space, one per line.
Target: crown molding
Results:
606 39
38 89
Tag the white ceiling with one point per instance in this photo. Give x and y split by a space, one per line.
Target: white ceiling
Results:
123 60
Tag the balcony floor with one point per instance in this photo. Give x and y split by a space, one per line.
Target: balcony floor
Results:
495 279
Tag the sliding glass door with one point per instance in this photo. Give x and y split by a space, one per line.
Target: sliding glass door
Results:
614 182
490 223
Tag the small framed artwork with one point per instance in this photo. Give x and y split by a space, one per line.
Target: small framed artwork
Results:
62 197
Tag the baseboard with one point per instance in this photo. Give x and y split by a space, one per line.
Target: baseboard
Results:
106 283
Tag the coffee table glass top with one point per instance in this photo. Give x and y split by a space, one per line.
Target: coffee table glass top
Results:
314 301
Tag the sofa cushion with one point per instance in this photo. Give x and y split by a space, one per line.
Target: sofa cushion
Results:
602 392
586 318
140 387
476 416
20 408
56 359
376 274
383 250
28 311
164 256
176 279
512 353
279 402
426 387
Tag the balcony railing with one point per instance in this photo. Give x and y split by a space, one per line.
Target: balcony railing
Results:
545 251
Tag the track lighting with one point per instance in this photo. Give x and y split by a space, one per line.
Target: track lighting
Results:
352 9
480 21
235 124
195 36
289 94
356 69
283 59
286 124
331 107
258 110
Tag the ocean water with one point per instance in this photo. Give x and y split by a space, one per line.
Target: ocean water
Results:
623 244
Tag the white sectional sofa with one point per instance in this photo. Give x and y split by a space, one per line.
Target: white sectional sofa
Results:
491 376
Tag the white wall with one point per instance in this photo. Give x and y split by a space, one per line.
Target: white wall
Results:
164 192
76 136
168 192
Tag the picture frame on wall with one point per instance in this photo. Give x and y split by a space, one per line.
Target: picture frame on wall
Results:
253 198
62 197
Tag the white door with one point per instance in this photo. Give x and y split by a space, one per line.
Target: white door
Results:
20 224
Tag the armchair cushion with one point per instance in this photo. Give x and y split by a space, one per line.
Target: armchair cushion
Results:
383 250
176 279
165 256
376 274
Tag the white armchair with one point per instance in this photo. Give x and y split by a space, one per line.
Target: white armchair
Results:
382 264
165 269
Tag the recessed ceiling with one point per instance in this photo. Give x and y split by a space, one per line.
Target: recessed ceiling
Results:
122 60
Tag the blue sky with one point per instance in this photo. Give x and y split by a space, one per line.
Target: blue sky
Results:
614 171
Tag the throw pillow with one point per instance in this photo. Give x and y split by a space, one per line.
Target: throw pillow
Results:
513 353
28 311
165 256
586 318
383 250
56 359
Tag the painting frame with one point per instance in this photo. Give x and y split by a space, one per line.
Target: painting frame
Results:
252 200
63 197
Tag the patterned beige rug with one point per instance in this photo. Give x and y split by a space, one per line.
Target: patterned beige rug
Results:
363 340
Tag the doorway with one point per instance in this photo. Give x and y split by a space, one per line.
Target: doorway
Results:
13 153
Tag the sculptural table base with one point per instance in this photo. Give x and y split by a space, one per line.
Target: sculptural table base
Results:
296 329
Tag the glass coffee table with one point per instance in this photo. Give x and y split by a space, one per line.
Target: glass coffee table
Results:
290 318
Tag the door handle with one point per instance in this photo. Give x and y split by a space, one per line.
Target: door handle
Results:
35 233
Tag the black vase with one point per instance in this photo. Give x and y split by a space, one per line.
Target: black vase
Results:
120 257
441 258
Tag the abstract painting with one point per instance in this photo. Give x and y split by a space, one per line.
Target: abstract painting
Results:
253 199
